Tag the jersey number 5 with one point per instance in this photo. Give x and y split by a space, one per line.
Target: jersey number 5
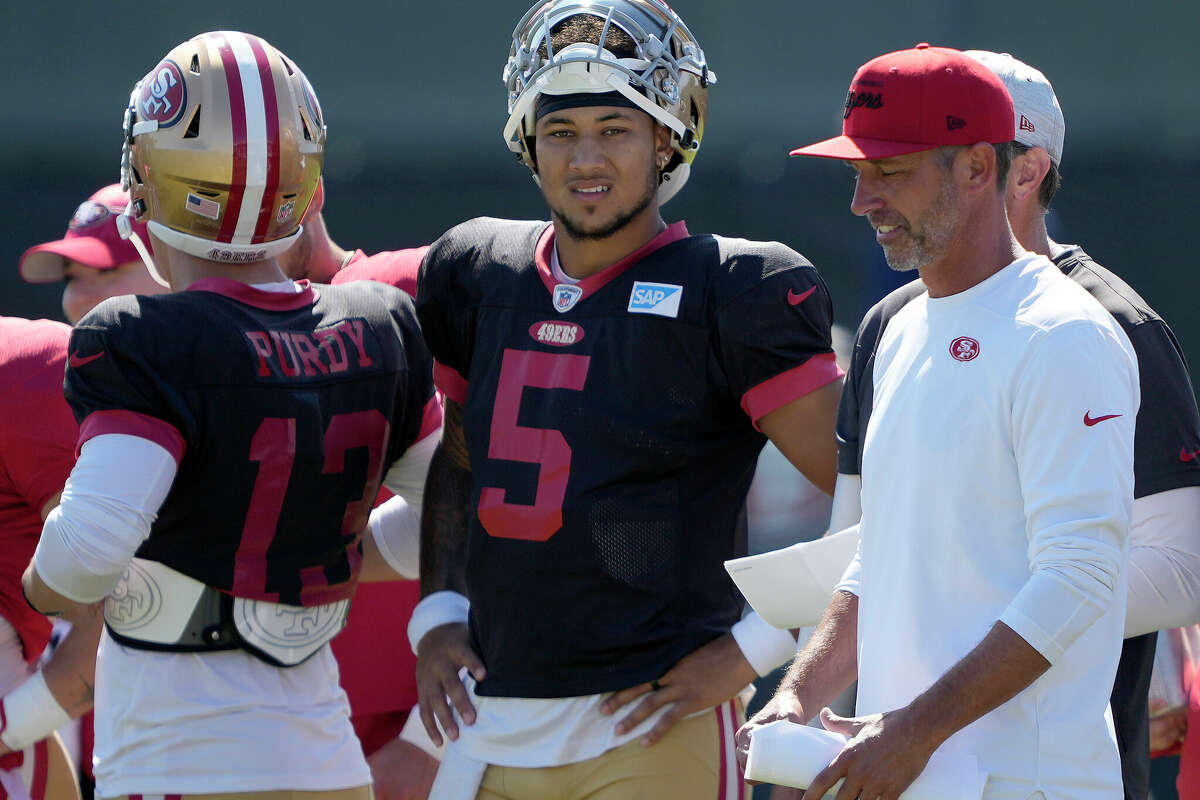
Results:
544 447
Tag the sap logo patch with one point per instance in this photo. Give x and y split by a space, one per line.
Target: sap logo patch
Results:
559 334
655 298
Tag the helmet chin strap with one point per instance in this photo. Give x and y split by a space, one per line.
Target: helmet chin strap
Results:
126 231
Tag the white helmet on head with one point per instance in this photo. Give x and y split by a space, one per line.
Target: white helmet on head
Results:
667 75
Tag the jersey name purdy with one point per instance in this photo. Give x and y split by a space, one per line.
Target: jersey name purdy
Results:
283 418
612 439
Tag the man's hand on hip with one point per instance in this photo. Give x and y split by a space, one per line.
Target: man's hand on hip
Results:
702 679
441 653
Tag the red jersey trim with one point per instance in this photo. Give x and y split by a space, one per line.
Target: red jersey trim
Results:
271 110
431 420
450 382
397 267
259 298
591 284
41 768
785 387
131 423
237 116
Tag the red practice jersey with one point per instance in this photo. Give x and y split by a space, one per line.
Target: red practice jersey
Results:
378 630
37 451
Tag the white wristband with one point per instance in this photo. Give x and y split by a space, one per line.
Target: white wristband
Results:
439 608
30 713
763 645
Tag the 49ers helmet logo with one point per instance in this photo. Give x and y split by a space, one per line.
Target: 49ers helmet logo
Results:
964 348
164 95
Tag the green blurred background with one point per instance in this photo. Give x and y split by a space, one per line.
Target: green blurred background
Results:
413 98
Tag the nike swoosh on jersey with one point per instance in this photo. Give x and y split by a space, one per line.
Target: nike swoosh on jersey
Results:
1188 457
796 299
76 361
1089 420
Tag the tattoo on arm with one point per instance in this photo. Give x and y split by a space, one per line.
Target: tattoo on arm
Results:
446 510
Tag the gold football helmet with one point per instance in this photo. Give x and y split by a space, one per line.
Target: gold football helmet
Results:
668 78
224 141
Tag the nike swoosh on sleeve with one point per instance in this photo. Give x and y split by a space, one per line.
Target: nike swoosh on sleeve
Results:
796 299
76 361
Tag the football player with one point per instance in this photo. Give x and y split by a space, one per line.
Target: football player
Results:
37 449
94 263
609 381
402 758
233 435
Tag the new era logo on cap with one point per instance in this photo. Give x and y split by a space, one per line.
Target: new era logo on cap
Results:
1039 118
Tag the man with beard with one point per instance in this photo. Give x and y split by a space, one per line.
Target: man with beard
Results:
983 613
609 382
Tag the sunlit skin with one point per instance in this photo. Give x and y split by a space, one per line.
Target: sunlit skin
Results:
1025 211
85 287
911 203
931 214
598 167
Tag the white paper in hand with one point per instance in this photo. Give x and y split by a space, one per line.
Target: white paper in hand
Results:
790 588
787 754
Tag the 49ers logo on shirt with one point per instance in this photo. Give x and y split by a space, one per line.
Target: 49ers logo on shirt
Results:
164 94
964 348
558 334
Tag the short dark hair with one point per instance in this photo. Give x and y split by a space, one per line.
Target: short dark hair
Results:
1050 183
1004 158
587 28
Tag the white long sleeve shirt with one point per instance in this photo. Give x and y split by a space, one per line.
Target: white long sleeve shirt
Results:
997 485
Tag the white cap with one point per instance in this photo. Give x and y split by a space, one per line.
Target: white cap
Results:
1037 115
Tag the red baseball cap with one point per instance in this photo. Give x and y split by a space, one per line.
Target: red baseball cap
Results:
91 239
919 99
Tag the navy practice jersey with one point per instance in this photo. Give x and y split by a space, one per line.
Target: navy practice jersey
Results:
610 426
1166 454
282 410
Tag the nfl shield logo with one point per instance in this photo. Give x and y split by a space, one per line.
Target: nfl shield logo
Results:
566 296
